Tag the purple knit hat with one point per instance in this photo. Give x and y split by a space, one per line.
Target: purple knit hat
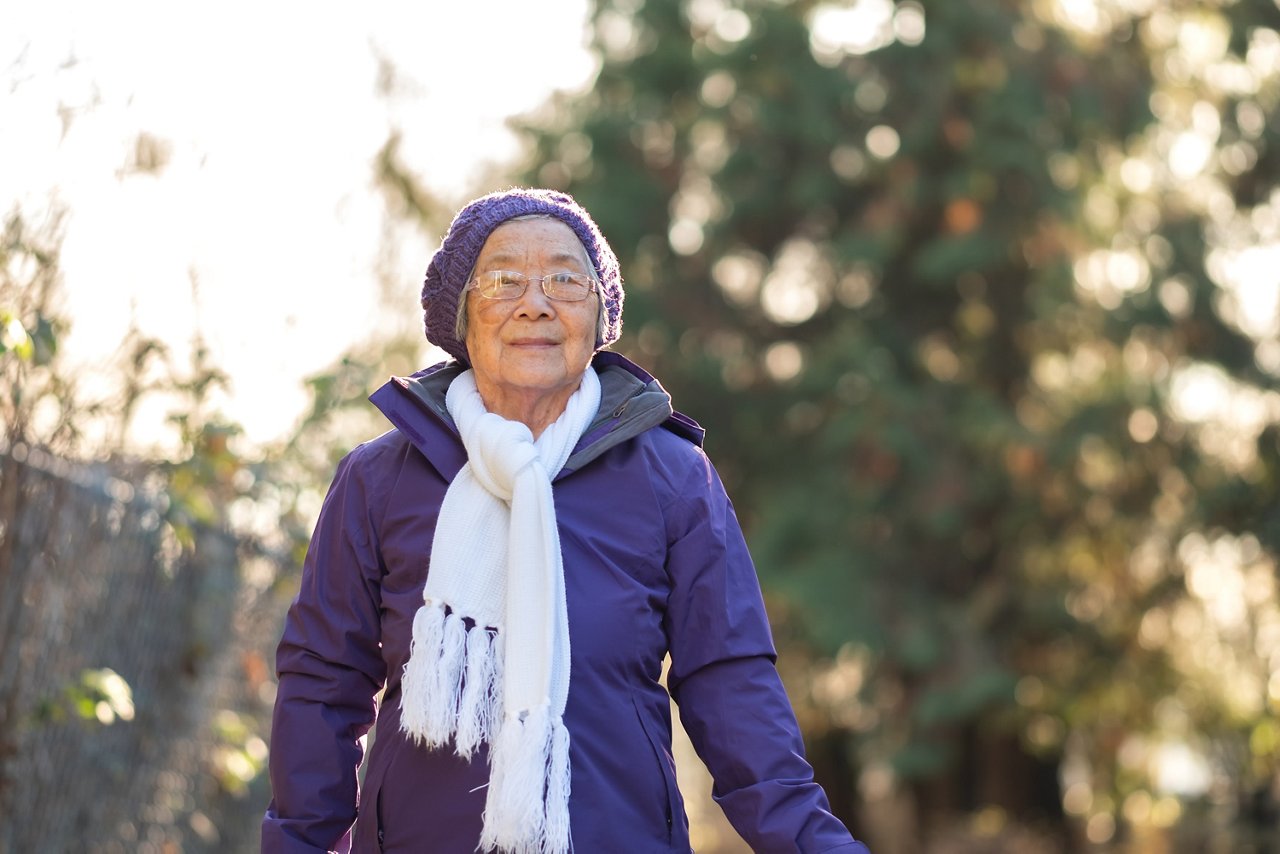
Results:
447 273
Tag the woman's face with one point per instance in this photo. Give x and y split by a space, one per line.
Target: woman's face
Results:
531 350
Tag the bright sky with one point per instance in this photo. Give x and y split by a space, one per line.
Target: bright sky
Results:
271 114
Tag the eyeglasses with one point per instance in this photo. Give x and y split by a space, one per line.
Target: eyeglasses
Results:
504 284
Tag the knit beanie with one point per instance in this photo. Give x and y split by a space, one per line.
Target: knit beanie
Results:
454 260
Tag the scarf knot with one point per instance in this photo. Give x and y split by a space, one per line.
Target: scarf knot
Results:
489 658
503 450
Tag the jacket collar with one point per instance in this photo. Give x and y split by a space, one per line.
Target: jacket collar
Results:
631 402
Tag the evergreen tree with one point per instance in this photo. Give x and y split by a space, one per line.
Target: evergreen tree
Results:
964 294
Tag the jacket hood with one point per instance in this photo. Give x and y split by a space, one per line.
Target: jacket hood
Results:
631 402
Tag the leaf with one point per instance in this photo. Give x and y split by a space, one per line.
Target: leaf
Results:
14 337
945 258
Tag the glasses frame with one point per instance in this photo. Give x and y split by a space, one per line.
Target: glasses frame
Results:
474 285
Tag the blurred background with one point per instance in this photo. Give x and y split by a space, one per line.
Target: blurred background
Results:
979 303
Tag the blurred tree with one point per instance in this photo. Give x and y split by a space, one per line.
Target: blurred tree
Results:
339 412
60 438
978 303
31 326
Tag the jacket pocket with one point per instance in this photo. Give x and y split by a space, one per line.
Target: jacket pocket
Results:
370 824
382 832
674 805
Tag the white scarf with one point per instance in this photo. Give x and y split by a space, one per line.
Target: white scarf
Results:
495 562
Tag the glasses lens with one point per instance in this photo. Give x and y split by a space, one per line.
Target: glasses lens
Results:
501 284
569 287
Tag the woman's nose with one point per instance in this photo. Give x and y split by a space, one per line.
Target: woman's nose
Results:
533 302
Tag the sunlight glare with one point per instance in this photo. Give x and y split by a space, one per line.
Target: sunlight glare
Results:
1263 55
263 230
1249 276
798 285
857 28
1204 38
1179 770
739 275
1200 392
909 23
784 361
1189 154
1084 16
883 142
685 236
1136 175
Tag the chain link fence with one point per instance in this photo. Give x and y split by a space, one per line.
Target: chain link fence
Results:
94 589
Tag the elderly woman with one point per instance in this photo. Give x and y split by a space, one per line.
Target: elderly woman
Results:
510 566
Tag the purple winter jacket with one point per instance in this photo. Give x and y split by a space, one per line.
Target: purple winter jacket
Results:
654 561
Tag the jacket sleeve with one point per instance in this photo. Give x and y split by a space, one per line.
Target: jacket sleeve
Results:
722 675
329 666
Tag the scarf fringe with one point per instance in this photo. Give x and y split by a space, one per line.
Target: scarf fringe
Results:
478 716
527 807
452 681
558 790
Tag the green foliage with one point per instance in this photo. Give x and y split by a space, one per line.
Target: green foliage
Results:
33 401
241 755
99 696
36 346
936 302
209 474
